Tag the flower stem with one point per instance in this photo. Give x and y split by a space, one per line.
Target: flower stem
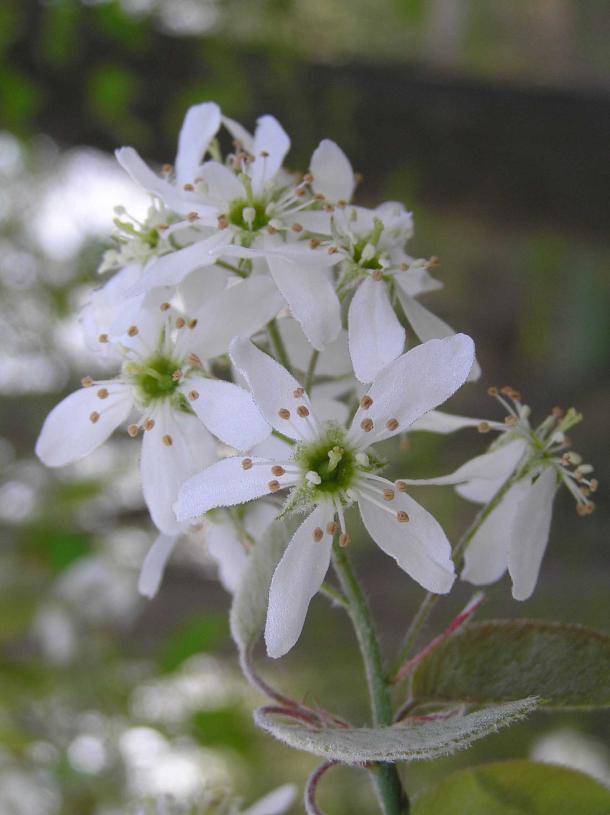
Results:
393 798
311 370
430 600
278 344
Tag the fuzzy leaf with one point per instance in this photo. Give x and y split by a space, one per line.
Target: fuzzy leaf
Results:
566 666
516 788
405 742
249 607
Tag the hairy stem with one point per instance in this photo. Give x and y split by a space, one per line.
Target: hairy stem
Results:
278 344
430 600
389 789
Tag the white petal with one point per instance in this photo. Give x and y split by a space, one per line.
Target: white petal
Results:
164 468
311 297
273 389
200 125
239 311
223 186
496 465
228 411
225 484
376 336
333 176
200 286
416 279
154 564
530 534
419 545
486 556
437 421
416 382
333 361
330 410
298 576
228 553
276 803
239 133
171 269
269 138
68 433
428 326
259 517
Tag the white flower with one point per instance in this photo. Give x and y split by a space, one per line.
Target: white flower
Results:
162 376
331 468
515 534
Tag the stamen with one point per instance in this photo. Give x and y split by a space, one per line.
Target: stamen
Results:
149 424
165 306
401 486
167 440
188 187
167 169
132 331
402 517
94 417
193 359
177 376
318 534
247 464
103 393
366 402
377 275
192 216
277 470
223 222
302 411
274 486
366 425
332 528
314 243
392 424
86 381
283 413
388 495
193 323
483 427
180 322
133 430
298 392
103 338
344 540
193 395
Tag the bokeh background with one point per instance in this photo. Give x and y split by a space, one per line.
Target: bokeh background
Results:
491 122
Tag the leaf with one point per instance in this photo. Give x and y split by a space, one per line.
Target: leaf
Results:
249 607
567 666
516 788
406 742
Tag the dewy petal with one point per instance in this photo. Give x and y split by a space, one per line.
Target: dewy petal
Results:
200 125
223 186
69 433
298 576
311 297
530 534
274 390
228 411
238 311
437 421
486 556
270 138
428 326
154 564
276 803
225 484
164 466
376 336
171 269
419 545
227 552
413 384
333 176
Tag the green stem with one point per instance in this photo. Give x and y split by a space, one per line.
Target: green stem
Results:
430 600
231 268
393 798
278 344
311 370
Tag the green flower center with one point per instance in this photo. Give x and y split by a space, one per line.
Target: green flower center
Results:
332 461
361 257
155 378
248 215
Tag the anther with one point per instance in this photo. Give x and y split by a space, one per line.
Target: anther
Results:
180 322
401 486
302 411
392 424
298 392
283 413
103 393
344 539
483 427
388 495
404 267
277 470
274 486
177 376
366 402
593 484
332 250
193 396
223 222
103 338
86 381
332 528
377 275
434 262
246 463
167 440
165 306
558 412
402 517
366 425
133 430
192 216
493 391
192 323
264 154
318 534
308 178
314 243
510 421
193 359
94 417
585 509
167 169
188 187
271 230
297 227
132 330
149 424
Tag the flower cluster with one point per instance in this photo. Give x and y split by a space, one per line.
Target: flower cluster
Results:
257 323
